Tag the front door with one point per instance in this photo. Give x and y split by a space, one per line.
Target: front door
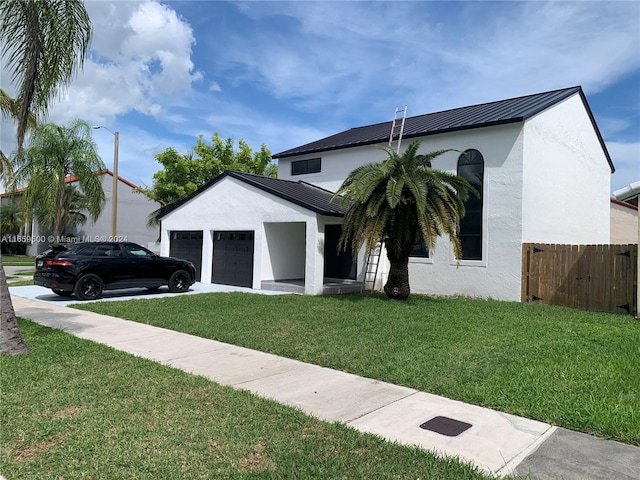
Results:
337 264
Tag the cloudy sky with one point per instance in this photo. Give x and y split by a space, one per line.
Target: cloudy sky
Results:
287 73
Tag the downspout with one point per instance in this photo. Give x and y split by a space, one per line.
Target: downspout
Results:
625 194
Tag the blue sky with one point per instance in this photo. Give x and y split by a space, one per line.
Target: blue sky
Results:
287 73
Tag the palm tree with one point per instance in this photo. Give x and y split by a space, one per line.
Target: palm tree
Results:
44 43
10 108
10 219
54 154
399 201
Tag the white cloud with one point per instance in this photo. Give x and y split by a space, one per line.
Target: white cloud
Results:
140 56
431 55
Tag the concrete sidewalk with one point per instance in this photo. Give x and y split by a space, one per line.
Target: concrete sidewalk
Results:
498 443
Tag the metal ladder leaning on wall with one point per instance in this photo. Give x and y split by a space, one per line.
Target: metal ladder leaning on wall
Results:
373 259
397 128
371 269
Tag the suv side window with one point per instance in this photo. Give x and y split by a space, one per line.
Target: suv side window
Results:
138 252
85 251
107 251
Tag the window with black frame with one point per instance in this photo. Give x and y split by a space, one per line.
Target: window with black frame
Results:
310 165
420 250
471 168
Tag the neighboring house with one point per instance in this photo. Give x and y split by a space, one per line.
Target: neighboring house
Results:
133 212
624 222
539 162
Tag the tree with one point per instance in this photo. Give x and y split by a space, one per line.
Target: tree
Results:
398 201
55 152
183 174
10 108
44 43
10 218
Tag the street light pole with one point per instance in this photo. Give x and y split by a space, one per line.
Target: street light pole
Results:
114 194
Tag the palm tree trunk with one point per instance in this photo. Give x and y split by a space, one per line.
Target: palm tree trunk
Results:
58 218
11 342
397 286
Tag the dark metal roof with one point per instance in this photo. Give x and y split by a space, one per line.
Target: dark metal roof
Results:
475 116
304 194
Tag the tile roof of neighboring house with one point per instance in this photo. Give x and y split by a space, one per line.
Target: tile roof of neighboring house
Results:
475 116
304 194
73 178
631 206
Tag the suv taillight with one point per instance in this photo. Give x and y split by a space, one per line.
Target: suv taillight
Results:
64 263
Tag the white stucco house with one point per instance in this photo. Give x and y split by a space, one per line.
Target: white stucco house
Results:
132 216
539 161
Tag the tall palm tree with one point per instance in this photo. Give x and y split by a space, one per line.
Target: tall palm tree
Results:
399 201
54 154
10 108
44 42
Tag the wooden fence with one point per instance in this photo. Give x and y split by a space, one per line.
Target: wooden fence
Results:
600 278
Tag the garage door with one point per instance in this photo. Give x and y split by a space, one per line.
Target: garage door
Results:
233 258
188 246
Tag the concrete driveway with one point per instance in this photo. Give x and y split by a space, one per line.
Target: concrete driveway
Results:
42 294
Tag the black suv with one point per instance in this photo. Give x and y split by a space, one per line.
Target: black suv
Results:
86 269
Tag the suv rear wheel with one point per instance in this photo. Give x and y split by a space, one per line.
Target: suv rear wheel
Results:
88 287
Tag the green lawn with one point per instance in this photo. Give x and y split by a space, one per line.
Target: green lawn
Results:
576 369
75 409
18 261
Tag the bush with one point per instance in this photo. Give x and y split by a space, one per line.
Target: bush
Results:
13 248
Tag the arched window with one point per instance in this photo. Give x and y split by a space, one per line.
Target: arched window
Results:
471 168
420 249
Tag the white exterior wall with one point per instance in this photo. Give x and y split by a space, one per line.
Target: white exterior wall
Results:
336 165
133 211
498 275
284 258
567 178
232 205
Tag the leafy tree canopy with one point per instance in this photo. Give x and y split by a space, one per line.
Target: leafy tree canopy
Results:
182 174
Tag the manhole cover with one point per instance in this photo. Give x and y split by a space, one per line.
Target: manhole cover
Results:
446 426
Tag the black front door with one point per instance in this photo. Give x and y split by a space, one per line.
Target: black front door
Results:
337 264
233 258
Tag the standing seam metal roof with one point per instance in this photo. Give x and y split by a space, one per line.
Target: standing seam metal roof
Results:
475 116
304 194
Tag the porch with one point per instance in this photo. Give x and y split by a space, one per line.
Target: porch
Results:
330 286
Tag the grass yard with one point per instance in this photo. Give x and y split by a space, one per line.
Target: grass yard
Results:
576 369
18 261
75 409
20 279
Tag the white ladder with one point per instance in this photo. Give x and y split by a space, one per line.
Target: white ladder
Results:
371 269
397 128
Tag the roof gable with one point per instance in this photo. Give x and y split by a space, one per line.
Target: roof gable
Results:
502 112
304 194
